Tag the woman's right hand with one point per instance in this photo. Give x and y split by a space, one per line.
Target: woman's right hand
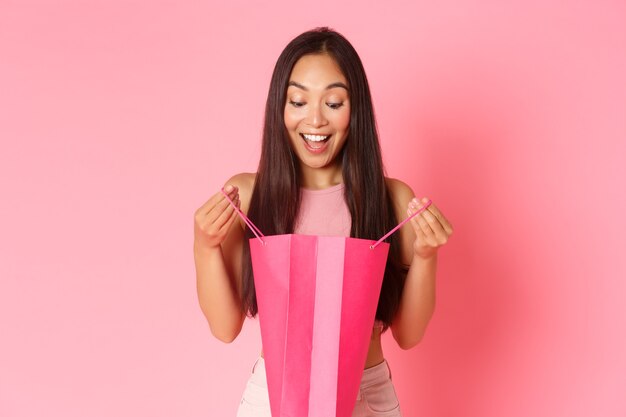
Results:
214 218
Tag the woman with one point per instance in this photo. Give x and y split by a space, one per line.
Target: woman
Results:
320 161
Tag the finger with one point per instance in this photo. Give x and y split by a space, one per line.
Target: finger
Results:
420 222
224 215
222 205
231 219
416 227
447 227
429 235
215 199
436 227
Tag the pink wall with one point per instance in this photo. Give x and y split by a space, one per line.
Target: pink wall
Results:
118 119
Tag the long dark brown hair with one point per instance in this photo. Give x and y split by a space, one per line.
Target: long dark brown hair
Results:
365 191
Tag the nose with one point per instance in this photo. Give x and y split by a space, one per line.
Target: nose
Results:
315 117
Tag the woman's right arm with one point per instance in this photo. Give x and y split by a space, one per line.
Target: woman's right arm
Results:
218 244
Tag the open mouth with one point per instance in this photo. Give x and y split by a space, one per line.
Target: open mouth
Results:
315 141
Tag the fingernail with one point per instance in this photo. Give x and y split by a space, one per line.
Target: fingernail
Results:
412 204
228 188
425 199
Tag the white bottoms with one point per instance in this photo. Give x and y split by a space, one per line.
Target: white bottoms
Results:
376 397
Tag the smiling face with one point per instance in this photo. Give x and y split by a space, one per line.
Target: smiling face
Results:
317 110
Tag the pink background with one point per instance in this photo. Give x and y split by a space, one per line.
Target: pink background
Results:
119 119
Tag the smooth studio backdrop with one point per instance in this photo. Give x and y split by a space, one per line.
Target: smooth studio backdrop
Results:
118 119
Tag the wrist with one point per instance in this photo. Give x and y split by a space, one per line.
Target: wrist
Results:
204 250
432 257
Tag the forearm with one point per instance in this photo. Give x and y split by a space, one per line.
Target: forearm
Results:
217 295
417 303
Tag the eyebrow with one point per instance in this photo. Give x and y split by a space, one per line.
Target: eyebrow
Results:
328 87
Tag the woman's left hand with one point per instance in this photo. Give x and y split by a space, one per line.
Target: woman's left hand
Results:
432 229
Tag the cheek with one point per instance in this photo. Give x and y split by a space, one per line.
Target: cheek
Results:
343 120
291 120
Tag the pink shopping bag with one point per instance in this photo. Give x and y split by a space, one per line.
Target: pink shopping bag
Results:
317 298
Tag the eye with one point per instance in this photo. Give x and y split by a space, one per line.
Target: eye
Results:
334 105
296 103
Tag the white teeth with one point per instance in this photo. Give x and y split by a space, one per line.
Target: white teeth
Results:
315 138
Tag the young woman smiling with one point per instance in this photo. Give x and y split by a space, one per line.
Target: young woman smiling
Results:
320 172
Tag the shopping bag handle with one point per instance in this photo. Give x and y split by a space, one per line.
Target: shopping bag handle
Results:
257 232
401 223
245 218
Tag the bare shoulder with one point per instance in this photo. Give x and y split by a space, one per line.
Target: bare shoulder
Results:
244 181
401 193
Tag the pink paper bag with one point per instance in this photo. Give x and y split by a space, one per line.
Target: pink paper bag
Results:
317 298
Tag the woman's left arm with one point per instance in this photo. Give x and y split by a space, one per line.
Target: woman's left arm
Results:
420 242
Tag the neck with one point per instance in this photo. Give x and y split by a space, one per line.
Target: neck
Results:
320 178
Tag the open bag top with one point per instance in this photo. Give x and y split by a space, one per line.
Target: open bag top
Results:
259 235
